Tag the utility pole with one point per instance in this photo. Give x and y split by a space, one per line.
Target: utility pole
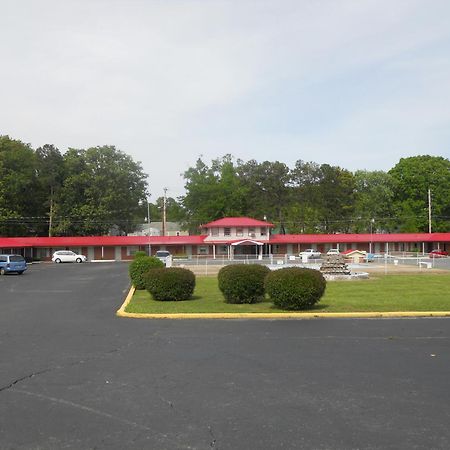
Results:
148 213
50 222
429 210
148 223
164 223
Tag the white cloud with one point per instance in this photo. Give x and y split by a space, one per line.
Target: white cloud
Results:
167 81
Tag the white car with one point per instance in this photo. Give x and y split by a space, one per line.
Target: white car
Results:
311 253
333 251
164 256
67 256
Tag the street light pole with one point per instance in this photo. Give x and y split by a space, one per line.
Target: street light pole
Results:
371 224
164 223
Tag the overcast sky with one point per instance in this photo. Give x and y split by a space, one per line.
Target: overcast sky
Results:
357 83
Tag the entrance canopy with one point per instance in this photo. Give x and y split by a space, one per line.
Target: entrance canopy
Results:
248 242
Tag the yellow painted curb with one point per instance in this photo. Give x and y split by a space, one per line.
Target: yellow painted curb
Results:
121 311
275 316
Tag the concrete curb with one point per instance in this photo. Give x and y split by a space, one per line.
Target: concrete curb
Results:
276 316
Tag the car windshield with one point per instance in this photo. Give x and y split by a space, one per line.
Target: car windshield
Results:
16 258
162 253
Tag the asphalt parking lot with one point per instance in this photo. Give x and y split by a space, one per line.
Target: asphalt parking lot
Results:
75 376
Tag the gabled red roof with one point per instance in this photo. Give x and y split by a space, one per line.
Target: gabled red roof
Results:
234 241
238 222
352 250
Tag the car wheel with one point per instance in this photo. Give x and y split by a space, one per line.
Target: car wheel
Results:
2 271
20 272
78 260
57 260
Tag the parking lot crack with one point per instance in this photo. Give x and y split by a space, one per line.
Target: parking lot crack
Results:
213 442
26 377
59 367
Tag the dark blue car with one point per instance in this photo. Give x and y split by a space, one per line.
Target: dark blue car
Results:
12 263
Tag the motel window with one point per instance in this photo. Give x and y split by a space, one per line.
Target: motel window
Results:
203 250
239 232
42 253
263 231
222 250
251 232
214 232
227 231
132 249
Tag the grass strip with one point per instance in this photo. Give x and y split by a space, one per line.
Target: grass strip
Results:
400 292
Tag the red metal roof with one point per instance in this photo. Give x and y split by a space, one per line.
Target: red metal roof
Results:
177 240
238 222
345 238
98 241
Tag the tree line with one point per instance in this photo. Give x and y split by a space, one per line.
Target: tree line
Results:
321 198
100 190
81 192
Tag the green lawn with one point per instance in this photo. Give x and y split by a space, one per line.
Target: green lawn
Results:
418 292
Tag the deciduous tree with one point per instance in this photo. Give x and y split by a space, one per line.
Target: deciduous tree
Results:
412 178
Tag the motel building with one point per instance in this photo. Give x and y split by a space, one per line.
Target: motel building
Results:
229 238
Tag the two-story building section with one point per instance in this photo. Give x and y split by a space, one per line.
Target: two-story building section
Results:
232 236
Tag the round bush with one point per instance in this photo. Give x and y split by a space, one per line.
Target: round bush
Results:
241 283
170 284
295 288
139 254
141 265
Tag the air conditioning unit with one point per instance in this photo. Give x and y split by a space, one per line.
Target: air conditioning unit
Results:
252 234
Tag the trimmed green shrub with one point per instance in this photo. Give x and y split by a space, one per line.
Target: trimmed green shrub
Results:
141 265
170 284
242 283
139 254
295 288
